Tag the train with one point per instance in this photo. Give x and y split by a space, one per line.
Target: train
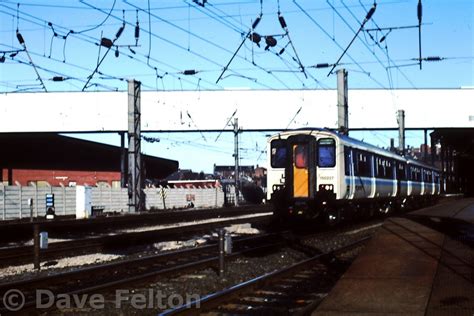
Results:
317 173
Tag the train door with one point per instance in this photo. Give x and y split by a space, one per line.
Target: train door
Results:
351 169
399 177
301 171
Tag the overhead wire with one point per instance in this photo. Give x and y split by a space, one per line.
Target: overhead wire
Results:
149 33
336 43
109 15
208 12
225 49
92 40
101 23
242 32
21 40
356 34
401 72
230 18
387 69
184 48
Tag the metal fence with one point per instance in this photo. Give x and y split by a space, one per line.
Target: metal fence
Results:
14 199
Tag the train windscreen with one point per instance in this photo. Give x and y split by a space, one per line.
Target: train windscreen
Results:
301 156
278 153
326 153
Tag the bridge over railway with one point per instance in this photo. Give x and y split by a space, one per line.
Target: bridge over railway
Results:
444 114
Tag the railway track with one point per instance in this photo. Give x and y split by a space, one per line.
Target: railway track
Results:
11 231
295 290
24 254
112 275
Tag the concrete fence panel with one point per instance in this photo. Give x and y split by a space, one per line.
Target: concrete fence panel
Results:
14 199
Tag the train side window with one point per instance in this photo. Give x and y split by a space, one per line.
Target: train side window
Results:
401 171
326 153
347 160
428 176
301 156
413 174
278 153
388 169
363 165
376 169
380 168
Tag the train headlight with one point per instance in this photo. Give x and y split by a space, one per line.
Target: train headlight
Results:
326 187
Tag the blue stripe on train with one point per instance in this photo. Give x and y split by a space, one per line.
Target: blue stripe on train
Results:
379 182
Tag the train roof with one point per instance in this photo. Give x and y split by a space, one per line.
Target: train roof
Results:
355 143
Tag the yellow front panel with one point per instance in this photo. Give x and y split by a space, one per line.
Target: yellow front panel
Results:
300 171
300 182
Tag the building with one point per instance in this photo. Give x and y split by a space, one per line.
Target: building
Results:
227 172
50 159
257 175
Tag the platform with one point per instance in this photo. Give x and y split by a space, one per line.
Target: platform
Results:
409 269
461 209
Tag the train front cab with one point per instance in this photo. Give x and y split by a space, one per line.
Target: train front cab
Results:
307 161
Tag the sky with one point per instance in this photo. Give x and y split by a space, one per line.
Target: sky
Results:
205 45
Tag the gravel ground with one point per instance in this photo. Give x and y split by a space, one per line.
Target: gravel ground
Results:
20 272
113 232
27 270
30 243
168 292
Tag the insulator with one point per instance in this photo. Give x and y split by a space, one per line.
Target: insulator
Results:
324 65
371 12
255 23
2 59
256 38
282 21
104 41
20 38
281 51
117 52
190 72
120 31
419 11
137 31
433 58
58 78
270 41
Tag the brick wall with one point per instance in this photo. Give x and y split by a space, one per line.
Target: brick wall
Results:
58 177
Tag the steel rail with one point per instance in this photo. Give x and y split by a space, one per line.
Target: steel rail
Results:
24 254
214 300
69 282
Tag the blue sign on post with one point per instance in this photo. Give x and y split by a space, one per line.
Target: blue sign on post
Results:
49 200
50 206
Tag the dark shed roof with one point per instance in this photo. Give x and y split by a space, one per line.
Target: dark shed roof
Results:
50 151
